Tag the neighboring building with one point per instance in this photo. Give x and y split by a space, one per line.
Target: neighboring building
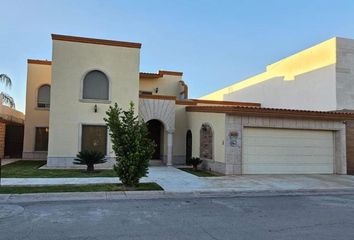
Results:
67 99
319 78
11 132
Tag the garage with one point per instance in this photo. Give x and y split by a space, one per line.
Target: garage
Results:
287 151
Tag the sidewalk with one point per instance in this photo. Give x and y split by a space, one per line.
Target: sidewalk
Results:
177 183
174 180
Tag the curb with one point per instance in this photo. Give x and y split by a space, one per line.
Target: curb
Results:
146 195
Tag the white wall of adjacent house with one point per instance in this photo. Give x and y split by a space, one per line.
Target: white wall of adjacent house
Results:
317 78
315 90
71 62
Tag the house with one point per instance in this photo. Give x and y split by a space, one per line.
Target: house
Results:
11 132
318 78
68 96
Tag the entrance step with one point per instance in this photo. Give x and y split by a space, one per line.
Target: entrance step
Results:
156 163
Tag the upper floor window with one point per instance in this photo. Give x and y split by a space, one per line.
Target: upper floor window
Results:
95 86
43 97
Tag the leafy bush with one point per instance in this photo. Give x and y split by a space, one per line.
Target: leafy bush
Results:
132 147
89 158
195 161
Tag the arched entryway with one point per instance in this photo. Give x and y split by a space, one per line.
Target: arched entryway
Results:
188 146
156 133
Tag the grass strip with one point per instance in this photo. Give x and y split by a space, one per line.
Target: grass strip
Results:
151 186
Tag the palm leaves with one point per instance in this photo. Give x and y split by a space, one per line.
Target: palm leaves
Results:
5 79
4 97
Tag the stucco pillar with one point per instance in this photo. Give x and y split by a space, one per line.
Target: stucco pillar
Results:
169 147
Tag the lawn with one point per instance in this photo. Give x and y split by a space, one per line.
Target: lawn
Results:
200 173
77 188
30 169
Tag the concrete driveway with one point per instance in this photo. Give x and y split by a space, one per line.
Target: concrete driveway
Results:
175 180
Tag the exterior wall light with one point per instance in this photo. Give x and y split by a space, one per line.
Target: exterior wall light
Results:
95 108
156 90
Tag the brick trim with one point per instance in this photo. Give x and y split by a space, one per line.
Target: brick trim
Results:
272 112
164 97
37 61
95 41
226 102
174 73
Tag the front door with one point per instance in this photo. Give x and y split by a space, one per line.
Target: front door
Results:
154 127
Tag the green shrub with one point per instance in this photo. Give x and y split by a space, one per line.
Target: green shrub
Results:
89 158
131 145
195 161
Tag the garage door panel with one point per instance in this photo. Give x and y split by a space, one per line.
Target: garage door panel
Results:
284 169
287 141
296 151
288 160
276 151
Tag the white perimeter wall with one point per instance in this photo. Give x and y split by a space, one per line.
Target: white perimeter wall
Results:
315 90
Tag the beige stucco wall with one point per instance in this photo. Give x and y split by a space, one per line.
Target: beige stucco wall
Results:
71 61
291 82
217 123
167 85
37 75
179 138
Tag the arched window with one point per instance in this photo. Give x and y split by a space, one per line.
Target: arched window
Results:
206 141
95 86
43 97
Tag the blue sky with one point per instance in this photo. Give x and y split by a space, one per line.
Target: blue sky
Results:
215 43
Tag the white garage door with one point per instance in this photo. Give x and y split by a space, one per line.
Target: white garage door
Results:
277 151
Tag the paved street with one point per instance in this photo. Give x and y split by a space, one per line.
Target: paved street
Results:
300 217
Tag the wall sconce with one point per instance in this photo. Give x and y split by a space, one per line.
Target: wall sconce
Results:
95 108
156 90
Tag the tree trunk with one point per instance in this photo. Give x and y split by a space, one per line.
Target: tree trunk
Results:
195 167
90 168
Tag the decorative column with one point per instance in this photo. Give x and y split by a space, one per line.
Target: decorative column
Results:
169 147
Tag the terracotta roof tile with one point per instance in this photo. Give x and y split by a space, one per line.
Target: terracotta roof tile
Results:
273 112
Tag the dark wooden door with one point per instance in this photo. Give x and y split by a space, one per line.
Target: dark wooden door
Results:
188 147
154 127
13 141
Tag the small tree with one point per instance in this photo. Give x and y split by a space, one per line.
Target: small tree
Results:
195 161
131 145
89 158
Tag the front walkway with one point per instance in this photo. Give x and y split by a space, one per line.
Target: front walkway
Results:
9 160
174 180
